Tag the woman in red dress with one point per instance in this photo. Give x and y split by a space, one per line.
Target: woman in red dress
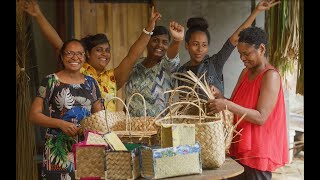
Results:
262 146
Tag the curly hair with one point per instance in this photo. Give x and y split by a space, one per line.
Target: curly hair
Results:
196 24
254 36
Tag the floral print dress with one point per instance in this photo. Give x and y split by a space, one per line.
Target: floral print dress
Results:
107 84
69 102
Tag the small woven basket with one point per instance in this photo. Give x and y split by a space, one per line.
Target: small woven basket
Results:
89 160
159 163
143 136
122 165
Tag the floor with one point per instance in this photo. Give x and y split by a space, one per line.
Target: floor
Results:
292 171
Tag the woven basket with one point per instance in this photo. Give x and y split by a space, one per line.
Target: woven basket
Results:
89 160
159 163
227 119
122 165
144 136
94 138
209 130
97 121
173 135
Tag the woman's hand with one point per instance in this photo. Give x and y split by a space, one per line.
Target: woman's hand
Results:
69 128
176 31
266 5
216 92
31 7
216 105
155 16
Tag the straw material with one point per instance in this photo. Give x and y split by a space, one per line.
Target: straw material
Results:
141 137
147 163
173 135
202 84
209 129
138 124
211 137
144 123
114 142
177 166
93 138
90 161
169 162
122 165
26 71
141 134
97 121
227 119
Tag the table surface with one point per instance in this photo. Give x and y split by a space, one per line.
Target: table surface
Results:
229 168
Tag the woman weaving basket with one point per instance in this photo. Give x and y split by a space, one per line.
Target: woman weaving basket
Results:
263 145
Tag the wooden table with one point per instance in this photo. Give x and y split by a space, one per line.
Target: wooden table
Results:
229 168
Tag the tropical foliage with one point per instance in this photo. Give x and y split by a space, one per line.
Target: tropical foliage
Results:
59 148
285 26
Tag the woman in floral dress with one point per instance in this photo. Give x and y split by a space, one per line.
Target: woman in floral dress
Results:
69 96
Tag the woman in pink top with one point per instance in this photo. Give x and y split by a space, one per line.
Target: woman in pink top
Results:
262 146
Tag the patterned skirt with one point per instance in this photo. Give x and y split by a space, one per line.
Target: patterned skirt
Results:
58 159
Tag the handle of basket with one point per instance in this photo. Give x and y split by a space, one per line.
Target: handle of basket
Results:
158 121
177 89
145 110
128 115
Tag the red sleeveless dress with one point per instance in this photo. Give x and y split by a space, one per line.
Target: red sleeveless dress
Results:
260 147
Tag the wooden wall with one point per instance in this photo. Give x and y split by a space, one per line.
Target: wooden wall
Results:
121 22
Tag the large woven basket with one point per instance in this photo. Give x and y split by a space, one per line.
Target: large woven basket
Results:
209 130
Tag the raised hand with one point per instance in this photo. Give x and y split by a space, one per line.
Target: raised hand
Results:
266 5
155 16
176 31
31 7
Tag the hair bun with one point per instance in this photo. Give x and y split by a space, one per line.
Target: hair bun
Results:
197 22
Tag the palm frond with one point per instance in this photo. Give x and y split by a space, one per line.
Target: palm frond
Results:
192 79
284 24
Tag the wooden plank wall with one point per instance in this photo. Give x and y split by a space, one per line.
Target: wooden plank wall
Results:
121 22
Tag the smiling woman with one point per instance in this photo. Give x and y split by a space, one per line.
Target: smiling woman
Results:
197 40
69 96
70 54
98 52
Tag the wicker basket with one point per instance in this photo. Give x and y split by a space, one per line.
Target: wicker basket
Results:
159 163
89 160
123 164
173 135
144 136
97 121
209 130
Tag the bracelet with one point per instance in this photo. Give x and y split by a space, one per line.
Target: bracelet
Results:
147 32
178 40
